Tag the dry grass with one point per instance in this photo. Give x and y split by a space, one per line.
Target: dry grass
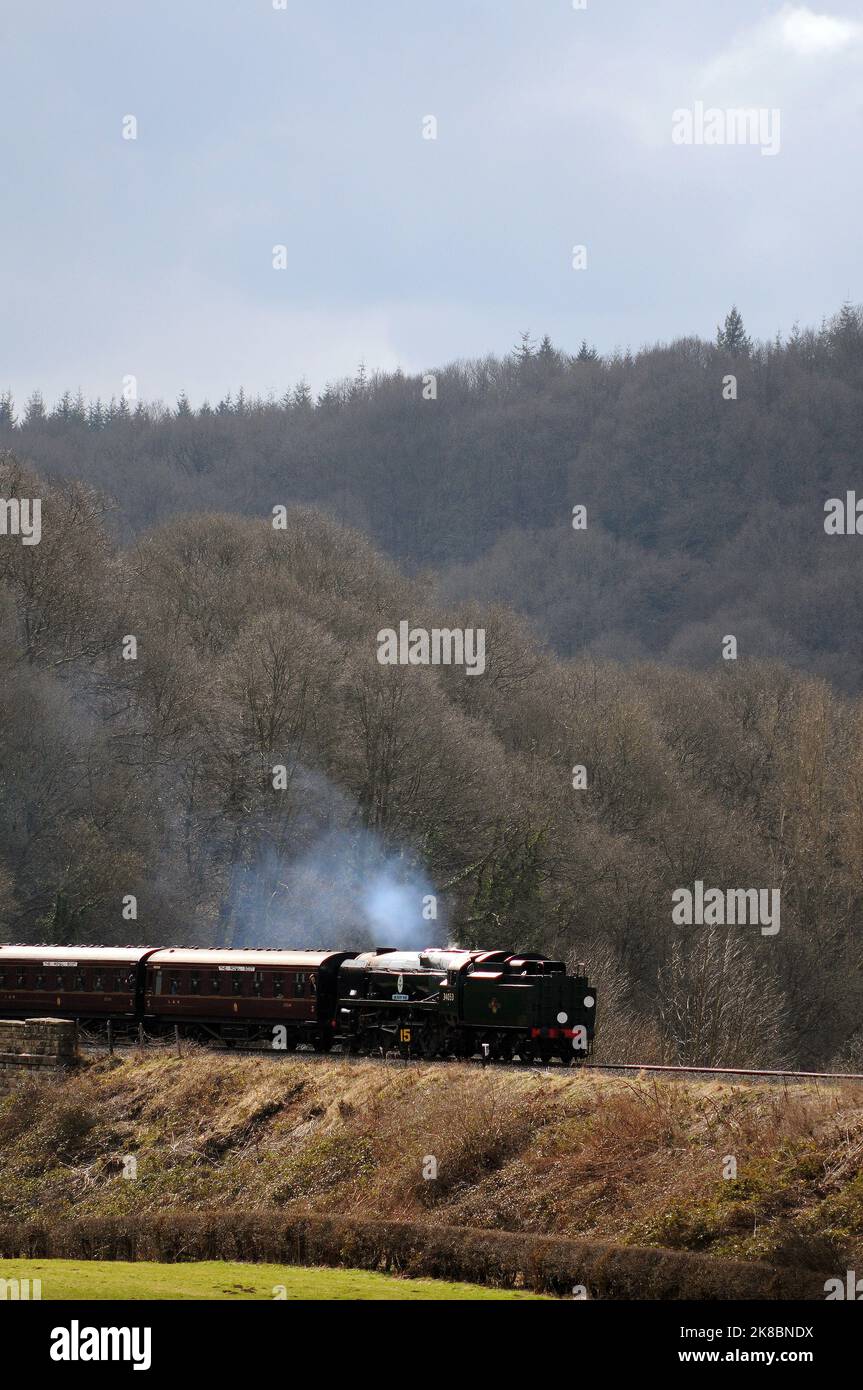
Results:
628 1161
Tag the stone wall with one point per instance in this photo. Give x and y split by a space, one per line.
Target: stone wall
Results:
35 1045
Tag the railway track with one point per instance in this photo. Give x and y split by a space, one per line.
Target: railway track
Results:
771 1073
189 1048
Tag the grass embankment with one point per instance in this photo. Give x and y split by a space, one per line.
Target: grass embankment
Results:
222 1280
626 1161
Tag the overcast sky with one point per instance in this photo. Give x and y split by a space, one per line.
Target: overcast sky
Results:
303 126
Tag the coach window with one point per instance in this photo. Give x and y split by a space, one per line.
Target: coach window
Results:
61 984
97 980
278 987
39 982
313 985
236 984
20 978
194 983
215 983
257 983
174 984
80 982
2 979
299 984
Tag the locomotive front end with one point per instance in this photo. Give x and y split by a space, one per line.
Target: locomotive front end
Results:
566 1016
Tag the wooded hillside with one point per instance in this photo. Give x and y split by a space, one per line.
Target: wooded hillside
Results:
705 510
256 647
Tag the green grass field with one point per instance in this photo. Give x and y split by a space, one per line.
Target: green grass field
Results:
212 1279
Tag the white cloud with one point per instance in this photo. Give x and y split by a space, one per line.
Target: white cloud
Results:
781 50
807 33
794 57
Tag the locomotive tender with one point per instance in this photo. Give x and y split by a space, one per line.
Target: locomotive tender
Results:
433 1003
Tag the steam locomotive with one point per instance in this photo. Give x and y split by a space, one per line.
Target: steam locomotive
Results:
431 1003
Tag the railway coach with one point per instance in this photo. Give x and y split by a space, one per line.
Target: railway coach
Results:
243 995
90 984
239 995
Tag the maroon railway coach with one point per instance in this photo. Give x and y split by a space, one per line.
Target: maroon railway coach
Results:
89 983
229 994
244 994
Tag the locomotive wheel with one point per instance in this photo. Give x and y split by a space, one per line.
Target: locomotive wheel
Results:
430 1042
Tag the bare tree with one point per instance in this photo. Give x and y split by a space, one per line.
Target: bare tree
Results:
717 1004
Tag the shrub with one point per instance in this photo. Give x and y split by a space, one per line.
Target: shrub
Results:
550 1264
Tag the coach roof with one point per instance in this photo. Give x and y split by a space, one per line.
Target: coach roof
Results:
260 959
74 955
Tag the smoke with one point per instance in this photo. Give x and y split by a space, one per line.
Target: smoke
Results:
335 884
390 906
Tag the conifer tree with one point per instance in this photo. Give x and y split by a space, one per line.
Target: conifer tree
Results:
360 383
34 411
846 332
524 350
731 336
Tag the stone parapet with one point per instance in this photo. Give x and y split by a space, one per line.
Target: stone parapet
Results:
36 1045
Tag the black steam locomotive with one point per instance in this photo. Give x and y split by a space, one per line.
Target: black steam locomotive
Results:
432 1003
446 1003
